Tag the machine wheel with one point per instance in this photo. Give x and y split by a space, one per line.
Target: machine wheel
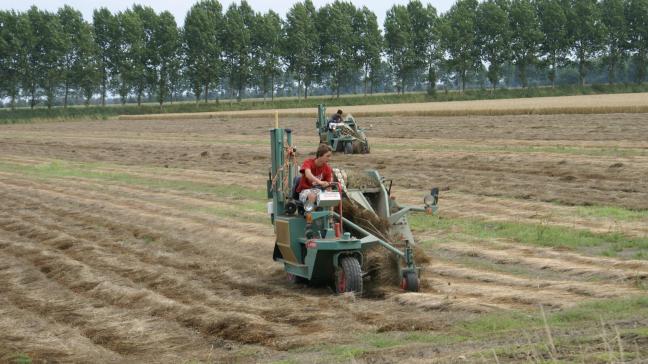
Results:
348 277
411 282
339 147
357 147
348 148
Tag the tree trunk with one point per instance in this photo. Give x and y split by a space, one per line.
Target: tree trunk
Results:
522 74
65 98
641 66
206 91
104 80
463 81
611 63
272 87
581 68
365 81
337 86
552 73
33 98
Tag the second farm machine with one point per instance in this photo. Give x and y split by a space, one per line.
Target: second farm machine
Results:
345 137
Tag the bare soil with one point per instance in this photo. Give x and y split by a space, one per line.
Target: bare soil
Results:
100 270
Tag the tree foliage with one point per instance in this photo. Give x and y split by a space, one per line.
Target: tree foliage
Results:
203 45
59 58
493 37
301 45
458 29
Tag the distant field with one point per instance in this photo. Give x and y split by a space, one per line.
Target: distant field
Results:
582 104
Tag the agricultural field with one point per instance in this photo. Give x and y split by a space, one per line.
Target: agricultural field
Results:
148 241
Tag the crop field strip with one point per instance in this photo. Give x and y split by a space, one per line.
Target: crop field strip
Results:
580 104
175 262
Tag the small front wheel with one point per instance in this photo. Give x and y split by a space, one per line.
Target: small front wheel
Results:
348 148
411 282
348 276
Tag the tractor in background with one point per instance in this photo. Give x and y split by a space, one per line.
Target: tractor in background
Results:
344 137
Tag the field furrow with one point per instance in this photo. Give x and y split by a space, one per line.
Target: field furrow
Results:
149 241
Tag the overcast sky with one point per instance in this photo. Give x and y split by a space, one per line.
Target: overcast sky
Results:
179 8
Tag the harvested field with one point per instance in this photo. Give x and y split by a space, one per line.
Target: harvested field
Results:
139 241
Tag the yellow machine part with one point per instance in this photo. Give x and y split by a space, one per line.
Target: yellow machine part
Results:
283 241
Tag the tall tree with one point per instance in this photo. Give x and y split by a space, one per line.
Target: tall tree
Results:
106 36
237 45
13 53
89 71
203 47
493 37
636 12
458 32
301 44
369 45
131 48
266 49
555 42
424 40
166 42
47 52
526 36
398 43
75 32
585 30
143 50
337 43
615 37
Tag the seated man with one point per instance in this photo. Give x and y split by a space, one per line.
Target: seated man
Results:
335 120
315 171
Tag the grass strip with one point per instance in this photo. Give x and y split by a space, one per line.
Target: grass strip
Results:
22 115
611 212
587 151
501 331
60 169
607 244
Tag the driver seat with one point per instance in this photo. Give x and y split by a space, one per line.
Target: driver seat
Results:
293 190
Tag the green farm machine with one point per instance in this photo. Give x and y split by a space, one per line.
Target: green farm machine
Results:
344 137
316 243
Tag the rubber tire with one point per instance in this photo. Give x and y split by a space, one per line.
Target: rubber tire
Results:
411 282
348 148
348 277
339 147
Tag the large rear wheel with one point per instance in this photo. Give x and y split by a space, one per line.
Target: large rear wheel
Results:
348 276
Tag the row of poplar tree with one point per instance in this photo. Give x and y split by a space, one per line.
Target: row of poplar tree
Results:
141 54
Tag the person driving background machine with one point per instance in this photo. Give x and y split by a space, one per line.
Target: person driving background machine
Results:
335 120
